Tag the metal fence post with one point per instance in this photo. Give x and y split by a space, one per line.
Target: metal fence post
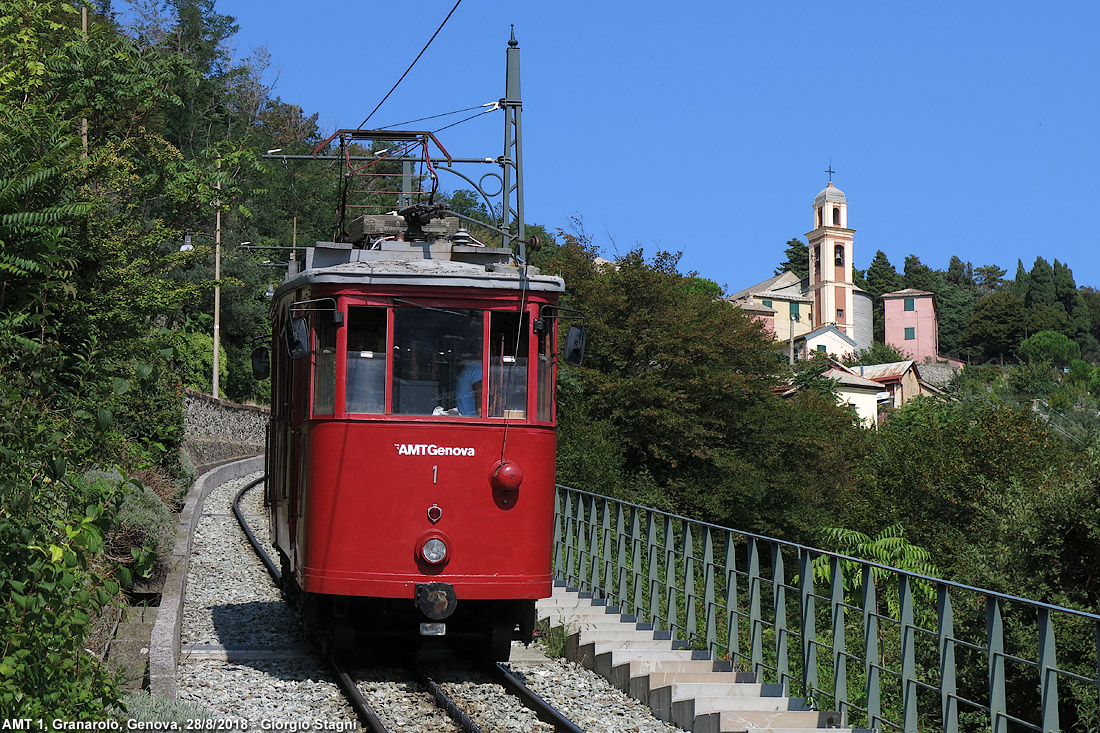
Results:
691 627
711 621
808 622
870 647
594 544
608 562
557 532
636 562
568 575
756 626
1048 677
949 705
620 555
998 723
779 596
840 649
654 570
670 576
585 559
908 654
733 620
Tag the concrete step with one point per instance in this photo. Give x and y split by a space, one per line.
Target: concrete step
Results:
641 686
633 675
620 632
606 661
683 713
679 690
586 654
744 721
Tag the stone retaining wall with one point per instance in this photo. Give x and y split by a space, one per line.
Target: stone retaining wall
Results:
218 430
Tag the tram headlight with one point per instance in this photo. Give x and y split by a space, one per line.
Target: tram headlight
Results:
434 551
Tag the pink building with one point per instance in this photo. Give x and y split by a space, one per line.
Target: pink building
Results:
911 324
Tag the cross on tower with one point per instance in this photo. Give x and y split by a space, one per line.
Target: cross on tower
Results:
830 170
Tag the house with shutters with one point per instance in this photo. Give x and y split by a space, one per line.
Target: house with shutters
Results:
780 304
911 324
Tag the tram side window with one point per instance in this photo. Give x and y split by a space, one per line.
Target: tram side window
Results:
508 364
545 374
366 375
437 357
324 363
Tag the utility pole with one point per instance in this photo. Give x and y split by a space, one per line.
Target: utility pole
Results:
217 281
790 341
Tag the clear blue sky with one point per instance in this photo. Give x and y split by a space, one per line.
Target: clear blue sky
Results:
954 128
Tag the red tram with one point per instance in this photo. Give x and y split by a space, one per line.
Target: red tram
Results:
412 439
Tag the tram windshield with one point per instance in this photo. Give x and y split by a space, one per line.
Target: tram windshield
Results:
437 361
445 362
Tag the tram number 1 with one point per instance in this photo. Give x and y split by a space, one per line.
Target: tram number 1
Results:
435 474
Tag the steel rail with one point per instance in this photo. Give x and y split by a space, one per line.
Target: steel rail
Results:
546 712
445 701
363 710
273 571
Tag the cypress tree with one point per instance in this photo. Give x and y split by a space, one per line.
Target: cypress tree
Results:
1022 283
1041 290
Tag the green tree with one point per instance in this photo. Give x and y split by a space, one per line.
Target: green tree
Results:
1045 317
797 259
1050 348
696 285
1071 301
876 353
881 275
989 278
1022 284
996 325
1041 289
1091 297
936 465
920 276
881 278
953 308
960 274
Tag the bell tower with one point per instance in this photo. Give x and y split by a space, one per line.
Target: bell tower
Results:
831 254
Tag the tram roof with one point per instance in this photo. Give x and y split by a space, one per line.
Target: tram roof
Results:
433 266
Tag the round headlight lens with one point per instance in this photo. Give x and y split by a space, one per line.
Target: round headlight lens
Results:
434 551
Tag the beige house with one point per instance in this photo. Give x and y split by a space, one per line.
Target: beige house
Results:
780 304
861 394
827 339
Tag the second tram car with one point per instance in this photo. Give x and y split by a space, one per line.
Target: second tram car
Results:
412 441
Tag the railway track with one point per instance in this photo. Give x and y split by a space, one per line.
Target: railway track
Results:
374 720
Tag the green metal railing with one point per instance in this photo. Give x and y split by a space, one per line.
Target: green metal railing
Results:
890 649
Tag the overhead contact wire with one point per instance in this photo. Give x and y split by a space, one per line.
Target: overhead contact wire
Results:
437 30
466 119
432 117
